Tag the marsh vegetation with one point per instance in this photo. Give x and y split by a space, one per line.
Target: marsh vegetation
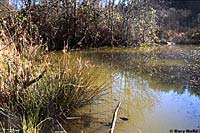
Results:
45 90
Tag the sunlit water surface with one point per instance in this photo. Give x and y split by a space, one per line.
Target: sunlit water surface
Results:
154 101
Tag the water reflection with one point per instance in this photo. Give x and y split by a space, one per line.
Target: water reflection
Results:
148 109
174 65
155 91
136 97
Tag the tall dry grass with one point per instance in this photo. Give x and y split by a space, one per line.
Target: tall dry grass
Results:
34 89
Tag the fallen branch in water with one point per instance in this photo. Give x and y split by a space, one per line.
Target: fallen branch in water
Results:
115 117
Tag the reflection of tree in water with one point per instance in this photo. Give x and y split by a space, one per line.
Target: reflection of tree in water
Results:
137 79
168 67
135 94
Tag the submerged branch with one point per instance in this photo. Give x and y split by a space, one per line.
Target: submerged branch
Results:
115 117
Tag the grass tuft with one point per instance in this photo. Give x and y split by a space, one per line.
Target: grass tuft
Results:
34 89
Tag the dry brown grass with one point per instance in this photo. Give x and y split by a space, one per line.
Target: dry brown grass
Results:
33 89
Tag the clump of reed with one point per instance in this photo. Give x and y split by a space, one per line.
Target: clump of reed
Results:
34 90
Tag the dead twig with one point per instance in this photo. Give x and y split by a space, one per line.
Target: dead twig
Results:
115 117
27 84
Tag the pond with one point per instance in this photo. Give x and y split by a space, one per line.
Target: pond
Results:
156 86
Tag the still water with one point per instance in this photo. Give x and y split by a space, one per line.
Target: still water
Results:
154 85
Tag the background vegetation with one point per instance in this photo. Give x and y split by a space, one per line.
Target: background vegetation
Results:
83 24
74 24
